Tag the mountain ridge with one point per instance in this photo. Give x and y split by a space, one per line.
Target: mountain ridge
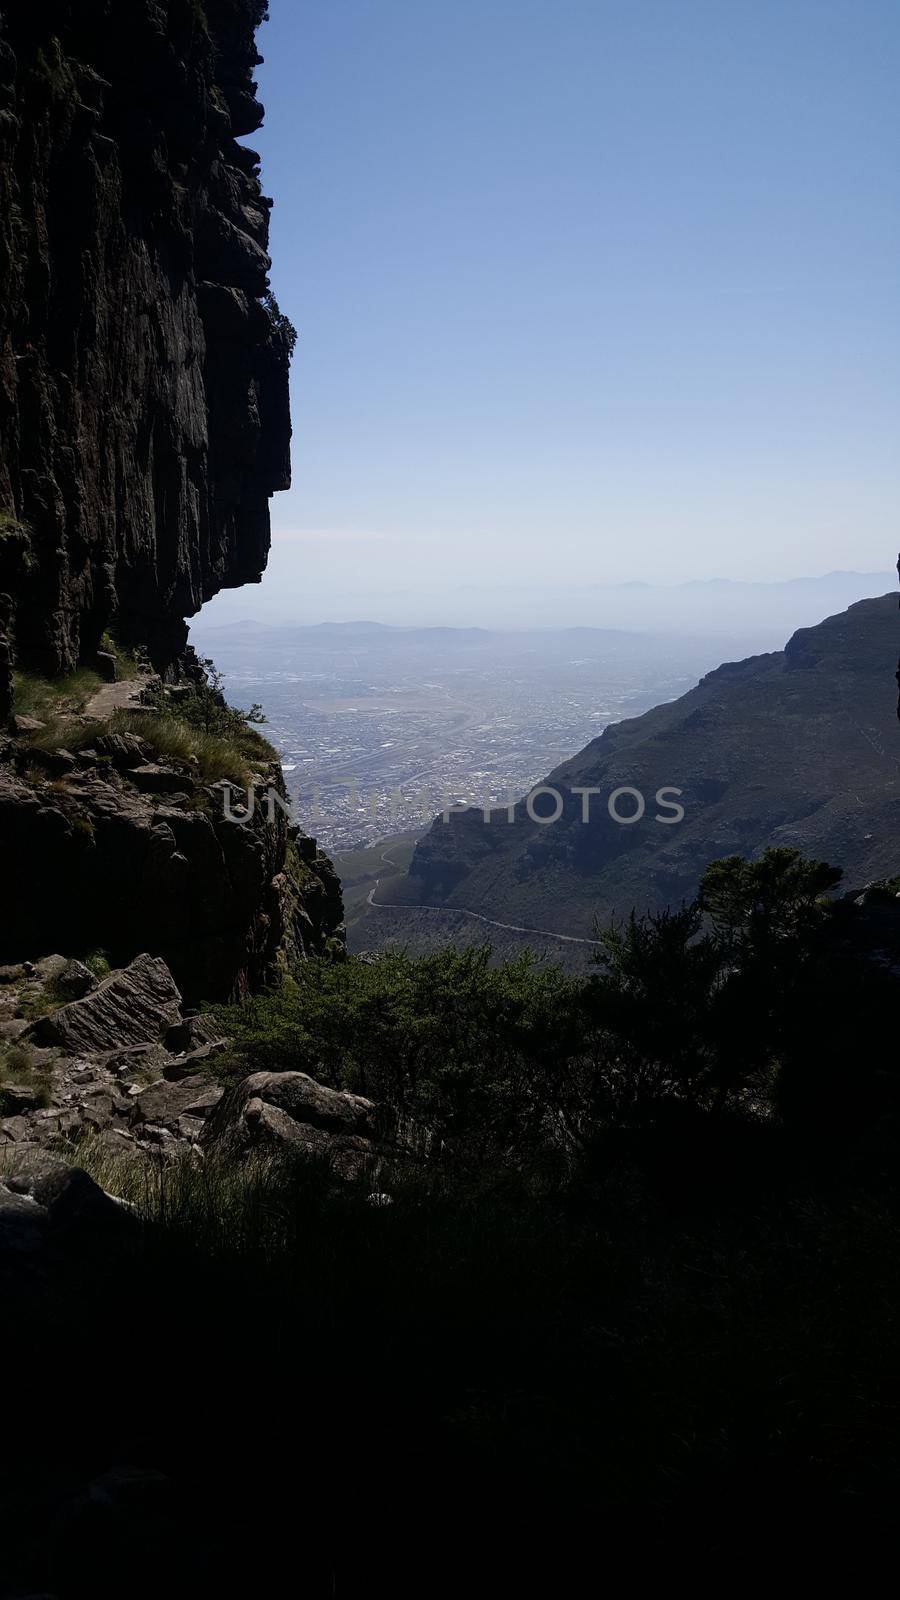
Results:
787 747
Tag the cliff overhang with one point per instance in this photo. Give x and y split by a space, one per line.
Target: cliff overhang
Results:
144 408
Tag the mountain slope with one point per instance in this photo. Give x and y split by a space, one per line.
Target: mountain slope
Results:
795 748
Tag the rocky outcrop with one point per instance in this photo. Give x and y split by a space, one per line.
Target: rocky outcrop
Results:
122 1064
133 1007
144 415
101 858
290 1114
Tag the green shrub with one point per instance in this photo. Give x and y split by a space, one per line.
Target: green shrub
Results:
448 1038
98 964
686 1016
16 1061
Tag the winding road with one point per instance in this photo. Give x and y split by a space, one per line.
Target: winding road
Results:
462 911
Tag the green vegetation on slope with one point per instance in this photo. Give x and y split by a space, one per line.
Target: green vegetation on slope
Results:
760 1000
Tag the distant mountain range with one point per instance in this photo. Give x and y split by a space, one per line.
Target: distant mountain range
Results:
798 747
751 616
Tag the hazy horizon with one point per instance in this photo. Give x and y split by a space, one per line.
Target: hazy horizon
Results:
752 615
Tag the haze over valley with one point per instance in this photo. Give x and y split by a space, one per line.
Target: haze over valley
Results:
379 727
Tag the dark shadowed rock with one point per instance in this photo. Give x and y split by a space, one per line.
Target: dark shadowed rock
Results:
307 1101
144 426
123 749
221 903
23 1224
163 1103
155 779
72 1199
290 1114
75 981
17 1098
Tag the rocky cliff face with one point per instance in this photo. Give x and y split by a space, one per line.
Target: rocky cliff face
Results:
144 415
144 425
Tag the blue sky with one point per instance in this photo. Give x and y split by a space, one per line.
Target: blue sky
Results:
587 290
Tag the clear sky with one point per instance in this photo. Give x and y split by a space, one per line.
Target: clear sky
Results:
587 290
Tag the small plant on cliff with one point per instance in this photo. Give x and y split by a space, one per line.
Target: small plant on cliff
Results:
280 322
128 662
98 964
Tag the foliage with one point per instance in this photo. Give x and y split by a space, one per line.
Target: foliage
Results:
18 1067
98 964
687 1356
755 905
200 727
447 1039
128 661
17 558
718 1009
281 323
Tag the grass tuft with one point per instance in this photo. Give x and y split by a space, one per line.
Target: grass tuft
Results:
172 739
50 699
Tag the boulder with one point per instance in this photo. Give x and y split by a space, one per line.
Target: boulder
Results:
185 1066
135 1006
307 1101
56 763
266 1127
26 725
154 779
163 1103
72 1199
289 1113
135 1060
193 1033
74 981
23 1223
124 750
16 1098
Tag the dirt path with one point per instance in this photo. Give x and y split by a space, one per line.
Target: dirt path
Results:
112 697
